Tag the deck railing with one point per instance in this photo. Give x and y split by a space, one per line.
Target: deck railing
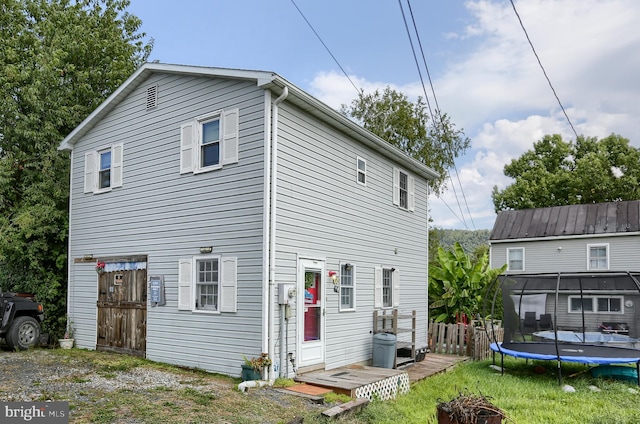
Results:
471 339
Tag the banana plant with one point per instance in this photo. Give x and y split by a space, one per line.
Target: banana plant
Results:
457 284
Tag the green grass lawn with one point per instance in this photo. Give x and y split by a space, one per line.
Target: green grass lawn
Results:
527 393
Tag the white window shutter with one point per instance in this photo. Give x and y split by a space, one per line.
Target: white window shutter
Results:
117 156
229 286
377 287
412 193
184 284
396 186
90 172
395 281
230 129
187 147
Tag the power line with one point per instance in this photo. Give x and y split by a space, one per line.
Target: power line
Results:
543 70
325 46
437 114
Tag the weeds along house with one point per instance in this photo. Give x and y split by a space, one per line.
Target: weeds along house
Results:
217 213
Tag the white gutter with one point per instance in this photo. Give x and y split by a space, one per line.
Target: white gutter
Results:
272 227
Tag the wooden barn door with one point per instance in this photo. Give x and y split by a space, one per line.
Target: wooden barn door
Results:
122 311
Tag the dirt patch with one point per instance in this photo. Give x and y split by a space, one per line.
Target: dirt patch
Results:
110 388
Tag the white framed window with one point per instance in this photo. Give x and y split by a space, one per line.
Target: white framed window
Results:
386 287
209 142
403 190
515 259
596 304
597 256
207 283
361 171
103 169
347 287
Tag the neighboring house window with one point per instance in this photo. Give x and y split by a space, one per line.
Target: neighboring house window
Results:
362 171
515 259
596 304
403 190
386 287
347 287
598 256
103 169
207 283
209 142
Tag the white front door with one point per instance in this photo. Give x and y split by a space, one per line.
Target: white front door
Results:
310 312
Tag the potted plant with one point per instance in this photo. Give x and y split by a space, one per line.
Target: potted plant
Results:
252 368
67 341
467 408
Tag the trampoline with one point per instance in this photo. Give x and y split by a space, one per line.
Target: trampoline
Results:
572 307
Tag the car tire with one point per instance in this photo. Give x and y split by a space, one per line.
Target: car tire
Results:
23 334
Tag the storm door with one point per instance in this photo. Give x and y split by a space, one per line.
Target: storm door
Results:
311 312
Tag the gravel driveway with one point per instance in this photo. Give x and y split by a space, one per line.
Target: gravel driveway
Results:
111 388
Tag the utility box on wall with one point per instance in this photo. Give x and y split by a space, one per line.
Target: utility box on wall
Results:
286 293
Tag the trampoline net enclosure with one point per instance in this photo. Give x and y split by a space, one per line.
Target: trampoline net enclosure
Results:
582 317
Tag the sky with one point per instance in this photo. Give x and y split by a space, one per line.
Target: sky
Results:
482 68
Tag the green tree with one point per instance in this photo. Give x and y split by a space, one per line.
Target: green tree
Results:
391 116
558 173
59 60
458 284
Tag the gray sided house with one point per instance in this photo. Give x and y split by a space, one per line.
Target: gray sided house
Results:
217 213
599 238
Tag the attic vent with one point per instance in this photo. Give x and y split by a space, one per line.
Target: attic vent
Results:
152 97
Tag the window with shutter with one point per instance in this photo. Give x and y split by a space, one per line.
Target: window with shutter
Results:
404 195
209 142
103 169
207 283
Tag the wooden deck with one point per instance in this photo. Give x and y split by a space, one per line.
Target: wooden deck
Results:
351 379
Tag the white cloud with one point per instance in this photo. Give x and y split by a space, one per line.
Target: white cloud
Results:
499 95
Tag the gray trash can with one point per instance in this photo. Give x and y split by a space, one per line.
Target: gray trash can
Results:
384 350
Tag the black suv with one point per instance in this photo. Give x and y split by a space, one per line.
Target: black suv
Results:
21 320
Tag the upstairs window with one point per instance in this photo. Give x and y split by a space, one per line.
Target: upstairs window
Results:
403 190
209 142
104 173
598 256
103 169
515 259
361 169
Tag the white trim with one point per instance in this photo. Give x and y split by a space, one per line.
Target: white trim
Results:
594 304
352 287
363 172
194 284
592 245
197 150
509 250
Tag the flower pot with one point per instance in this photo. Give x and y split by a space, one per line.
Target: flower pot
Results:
66 343
250 374
483 417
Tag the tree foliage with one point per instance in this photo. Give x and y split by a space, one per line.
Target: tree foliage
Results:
557 173
458 284
391 116
59 60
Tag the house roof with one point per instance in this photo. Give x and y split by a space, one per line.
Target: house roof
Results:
570 220
263 79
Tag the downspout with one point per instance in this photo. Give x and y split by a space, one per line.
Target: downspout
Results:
272 226
266 210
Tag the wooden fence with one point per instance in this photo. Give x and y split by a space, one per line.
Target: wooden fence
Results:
464 339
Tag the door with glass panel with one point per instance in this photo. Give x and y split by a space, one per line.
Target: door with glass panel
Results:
311 312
